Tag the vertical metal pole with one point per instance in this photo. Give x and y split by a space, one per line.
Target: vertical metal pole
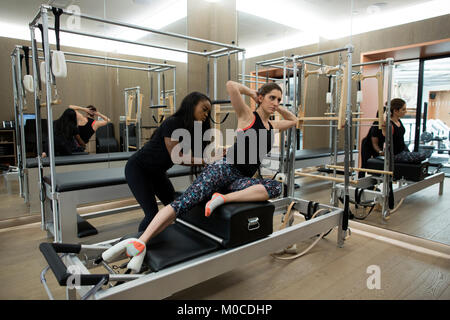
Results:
138 118
282 133
343 226
51 144
257 77
17 118
389 153
37 110
243 68
126 121
292 138
175 89
207 75
159 89
334 135
215 78
23 153
242 71
151 90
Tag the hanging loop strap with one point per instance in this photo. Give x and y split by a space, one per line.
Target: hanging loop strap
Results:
26 51
219 122
57 12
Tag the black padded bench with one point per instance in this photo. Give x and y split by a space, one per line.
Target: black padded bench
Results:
81 159
88 186
66 164
408 171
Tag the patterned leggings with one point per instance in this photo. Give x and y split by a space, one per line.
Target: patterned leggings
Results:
219 177
412 157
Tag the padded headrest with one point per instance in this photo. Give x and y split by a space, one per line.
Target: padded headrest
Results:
42 69
28 83
59 66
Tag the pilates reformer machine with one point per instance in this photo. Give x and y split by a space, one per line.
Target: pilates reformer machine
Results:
196 248
378 187
134 104
335 99
29 167
60 193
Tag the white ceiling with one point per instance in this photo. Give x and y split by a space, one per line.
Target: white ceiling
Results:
279 24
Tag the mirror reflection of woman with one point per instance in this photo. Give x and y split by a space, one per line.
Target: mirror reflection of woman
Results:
87 125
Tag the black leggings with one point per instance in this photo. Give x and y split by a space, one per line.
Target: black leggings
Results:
146 184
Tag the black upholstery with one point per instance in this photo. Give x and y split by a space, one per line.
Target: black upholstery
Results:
105 140
408 171
85 229
230 221
80 159
85 179
174 245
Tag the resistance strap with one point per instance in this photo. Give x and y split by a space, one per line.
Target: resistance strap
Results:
26 51
57 12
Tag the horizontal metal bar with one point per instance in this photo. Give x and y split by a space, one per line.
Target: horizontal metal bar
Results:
369 63
224 54
132 26
133 88
107 65
103 65
251 76
209 235
320 53
216 51
113 59
160 69
129 42
274 60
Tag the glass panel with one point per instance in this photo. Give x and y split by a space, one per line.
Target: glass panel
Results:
405 84
436 107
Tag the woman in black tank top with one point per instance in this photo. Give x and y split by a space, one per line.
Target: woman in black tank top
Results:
400 150
87 125
233 179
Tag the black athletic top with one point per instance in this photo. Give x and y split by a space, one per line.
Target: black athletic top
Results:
87 130
367 141
398 137
252 145
154 153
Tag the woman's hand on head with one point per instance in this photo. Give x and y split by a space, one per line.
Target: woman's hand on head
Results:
254 95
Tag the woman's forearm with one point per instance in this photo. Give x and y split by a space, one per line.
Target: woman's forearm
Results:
103 117
286 114
77 108
241 88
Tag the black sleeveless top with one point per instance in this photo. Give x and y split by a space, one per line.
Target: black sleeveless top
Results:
398 139
86 131
252 145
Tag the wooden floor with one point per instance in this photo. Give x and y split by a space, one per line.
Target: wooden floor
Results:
327 272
